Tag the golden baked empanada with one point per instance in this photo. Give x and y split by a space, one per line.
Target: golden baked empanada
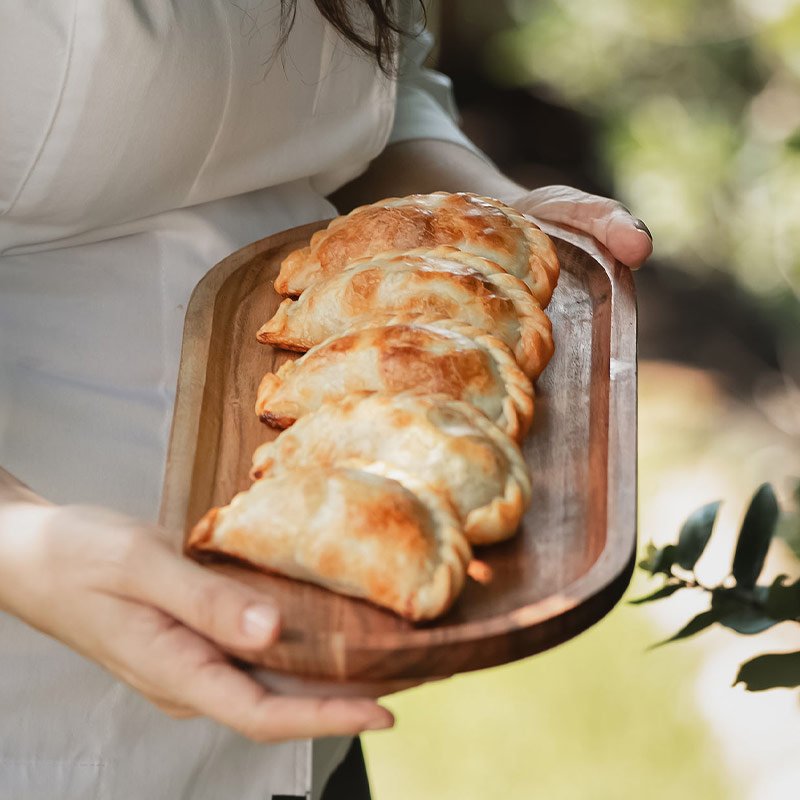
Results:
474 224
352 531
442 283
445 443
443 357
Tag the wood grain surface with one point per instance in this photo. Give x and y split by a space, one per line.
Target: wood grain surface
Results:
567 566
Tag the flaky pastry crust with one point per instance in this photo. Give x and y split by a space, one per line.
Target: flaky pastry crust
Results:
356 532
447 444
439 357
444 283
479 225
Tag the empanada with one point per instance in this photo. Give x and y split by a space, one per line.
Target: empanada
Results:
474 224
446 357
442 283
445 443
351 531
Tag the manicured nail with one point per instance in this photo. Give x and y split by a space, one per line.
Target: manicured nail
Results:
639 225
259 621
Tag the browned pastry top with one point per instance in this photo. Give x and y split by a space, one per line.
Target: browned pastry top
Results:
478 225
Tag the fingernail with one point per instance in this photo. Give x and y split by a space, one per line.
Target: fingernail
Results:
378 724
259 621
639 225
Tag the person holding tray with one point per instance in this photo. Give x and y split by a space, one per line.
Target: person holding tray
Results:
140 143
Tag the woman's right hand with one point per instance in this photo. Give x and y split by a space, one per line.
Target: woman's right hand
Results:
117 592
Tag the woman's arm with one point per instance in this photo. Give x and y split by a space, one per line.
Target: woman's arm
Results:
116 591
428 165
14 491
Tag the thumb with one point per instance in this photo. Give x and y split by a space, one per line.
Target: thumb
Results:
219 608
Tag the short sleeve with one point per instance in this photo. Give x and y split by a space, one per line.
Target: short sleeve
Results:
425 106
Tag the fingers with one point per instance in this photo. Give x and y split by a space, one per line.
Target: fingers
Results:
153 618
174 710
221 609
608 221
229 696
286 684
185 675
625 236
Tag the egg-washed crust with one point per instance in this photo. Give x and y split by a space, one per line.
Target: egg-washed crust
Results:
543 262
354 531
284 396
480 225
299 324
380 427
501 518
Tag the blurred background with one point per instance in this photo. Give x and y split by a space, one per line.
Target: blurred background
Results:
689 113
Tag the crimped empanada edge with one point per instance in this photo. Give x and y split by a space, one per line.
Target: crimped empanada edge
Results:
499 519
428 600
535 237
453 550
517 403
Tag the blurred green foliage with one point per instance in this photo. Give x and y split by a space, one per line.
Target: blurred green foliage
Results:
738 602
594 719
698 109
697 106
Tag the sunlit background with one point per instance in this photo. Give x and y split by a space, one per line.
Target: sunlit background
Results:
689 113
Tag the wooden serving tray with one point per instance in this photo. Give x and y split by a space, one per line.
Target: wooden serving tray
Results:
567 566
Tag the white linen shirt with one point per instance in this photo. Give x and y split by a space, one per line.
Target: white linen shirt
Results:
141 141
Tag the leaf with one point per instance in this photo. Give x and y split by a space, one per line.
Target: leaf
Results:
695 533
665 559
658 561
770 671
788 529
695 625
664 591
783 600
649 561
727 600
748 621
743 611
793 141
755 536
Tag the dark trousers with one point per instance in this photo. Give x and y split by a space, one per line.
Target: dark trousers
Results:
349 780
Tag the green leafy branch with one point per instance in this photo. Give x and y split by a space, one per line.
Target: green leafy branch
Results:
739 602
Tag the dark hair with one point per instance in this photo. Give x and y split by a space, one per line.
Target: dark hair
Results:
386 29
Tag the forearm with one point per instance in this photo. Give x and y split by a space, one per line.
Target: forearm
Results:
111 589
21 511
426 165
14 491
429 165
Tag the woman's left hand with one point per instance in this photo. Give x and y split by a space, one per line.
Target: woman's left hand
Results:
431 165
627 237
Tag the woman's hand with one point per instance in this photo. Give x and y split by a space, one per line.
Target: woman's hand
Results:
114 590
430 165
627 237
